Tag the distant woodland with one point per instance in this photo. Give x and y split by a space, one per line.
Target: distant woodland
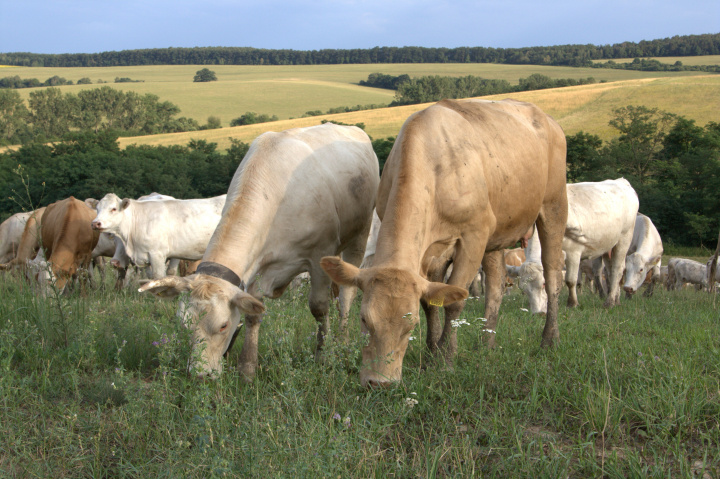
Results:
561 55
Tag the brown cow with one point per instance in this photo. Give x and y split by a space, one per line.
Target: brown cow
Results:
465 180
29 242
67 238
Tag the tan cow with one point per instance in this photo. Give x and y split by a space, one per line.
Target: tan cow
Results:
29 242
296 197
465 180
67 238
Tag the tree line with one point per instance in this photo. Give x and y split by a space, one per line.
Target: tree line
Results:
673 164
429 88
565 55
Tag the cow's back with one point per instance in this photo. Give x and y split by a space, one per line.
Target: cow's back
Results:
462 163
11 231
296 193
66 230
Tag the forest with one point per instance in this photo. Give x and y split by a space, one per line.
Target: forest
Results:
561 55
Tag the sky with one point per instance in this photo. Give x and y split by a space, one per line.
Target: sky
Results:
91 26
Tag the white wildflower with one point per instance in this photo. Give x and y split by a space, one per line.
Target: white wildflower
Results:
523 309
410 402
456 323
487 330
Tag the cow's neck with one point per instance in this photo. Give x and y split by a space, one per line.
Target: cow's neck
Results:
405 231
126 231
240 237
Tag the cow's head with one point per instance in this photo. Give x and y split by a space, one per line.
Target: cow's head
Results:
532 282
389 312
109 213
213 313
636 270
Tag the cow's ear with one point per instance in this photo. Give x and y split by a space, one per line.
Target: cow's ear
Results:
167 287
247 303
344 274
441 294
124 203
91 202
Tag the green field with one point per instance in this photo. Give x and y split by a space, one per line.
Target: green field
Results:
588 108
290 91
96 387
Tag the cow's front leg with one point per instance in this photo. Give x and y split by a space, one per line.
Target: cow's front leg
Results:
572 271
494 266
319 305
157 263
248 361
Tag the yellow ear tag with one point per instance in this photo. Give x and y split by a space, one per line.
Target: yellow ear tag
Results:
436 302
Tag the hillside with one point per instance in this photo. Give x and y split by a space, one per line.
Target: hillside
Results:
290 91
587 108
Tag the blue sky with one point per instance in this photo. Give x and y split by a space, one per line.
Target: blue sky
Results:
89 26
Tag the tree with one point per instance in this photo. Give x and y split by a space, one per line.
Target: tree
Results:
642 131
205 75
13 115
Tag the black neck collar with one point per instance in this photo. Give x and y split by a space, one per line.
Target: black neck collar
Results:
219 271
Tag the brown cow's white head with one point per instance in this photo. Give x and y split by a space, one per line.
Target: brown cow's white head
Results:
389 312
636 270
109 213
532 282
213 313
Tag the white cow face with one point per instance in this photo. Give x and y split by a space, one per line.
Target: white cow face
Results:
635 272
532 282
212 312
109 213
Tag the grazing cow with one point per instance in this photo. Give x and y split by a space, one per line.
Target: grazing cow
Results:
686 271
153 231
29 241
67 239
600 222
464 180
11 231
297 196
643 257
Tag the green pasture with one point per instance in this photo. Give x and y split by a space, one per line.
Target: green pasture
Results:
290 91
95 386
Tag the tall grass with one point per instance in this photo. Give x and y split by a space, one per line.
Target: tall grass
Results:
630 392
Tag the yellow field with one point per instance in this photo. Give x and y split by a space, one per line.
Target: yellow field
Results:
290 91
698 60
588 108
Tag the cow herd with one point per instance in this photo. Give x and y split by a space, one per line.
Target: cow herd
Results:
465 181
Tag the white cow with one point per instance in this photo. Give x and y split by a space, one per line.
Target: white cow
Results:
601 221
682 271
11 231
643 256
296 197
153 231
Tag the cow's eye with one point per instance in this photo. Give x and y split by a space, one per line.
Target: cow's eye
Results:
113 210
223 327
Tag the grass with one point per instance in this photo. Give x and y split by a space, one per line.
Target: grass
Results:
630 392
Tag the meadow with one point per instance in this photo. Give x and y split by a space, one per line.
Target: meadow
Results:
290 91
95 386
